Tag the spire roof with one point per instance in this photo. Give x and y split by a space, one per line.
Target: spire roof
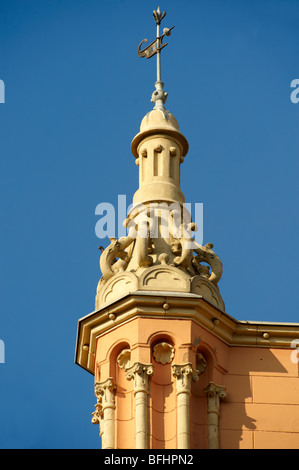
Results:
159 121
159 252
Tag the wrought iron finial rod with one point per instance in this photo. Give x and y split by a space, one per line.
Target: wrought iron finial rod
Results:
154 48
158 18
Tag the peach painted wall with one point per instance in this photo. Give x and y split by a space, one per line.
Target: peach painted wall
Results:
262 406
163 408
261 409
125 422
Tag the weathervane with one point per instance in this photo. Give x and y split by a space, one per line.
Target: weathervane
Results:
154 48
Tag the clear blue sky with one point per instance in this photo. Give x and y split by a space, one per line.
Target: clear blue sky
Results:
75 93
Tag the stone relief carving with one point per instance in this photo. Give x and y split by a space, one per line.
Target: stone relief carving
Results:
163 352
201 363
185 245
140 373
206 254
109 263
146 249
184 248
123 359
115 257
97 415
214 393
144 245
184 374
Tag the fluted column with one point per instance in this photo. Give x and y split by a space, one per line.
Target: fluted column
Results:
105 412
140 373
214 393
184 375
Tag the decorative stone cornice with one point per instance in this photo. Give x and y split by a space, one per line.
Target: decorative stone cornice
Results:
180 306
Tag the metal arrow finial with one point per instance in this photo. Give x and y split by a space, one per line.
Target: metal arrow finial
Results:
158 16
154 48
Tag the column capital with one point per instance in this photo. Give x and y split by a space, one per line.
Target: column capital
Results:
140 373
185 374
214 393
105 392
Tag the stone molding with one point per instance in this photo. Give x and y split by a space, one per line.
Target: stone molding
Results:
156 278
180 306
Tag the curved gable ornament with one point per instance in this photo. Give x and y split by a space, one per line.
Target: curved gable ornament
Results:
118 286
163 277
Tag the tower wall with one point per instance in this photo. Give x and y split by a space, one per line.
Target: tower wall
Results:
233 397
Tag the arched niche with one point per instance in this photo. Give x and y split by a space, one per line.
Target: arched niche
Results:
114 356
163 347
